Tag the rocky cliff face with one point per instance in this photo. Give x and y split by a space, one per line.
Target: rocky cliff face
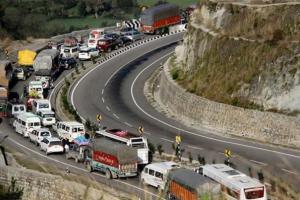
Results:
246 56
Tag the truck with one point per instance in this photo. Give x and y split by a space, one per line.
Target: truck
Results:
5 76
46 67
129 139
158 19
186 184
112 158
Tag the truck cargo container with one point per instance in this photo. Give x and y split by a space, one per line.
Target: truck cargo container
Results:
130 139
186 184
112 158
157 19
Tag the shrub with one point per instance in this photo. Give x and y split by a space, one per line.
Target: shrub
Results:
160 149
152 148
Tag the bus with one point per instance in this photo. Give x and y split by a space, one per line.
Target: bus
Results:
130 139
234 184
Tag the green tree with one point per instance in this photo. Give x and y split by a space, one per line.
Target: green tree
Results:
81 8
11 20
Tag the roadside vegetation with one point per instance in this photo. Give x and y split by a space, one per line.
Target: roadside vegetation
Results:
44 18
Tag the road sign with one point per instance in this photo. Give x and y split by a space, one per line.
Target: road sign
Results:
99 118
141 130
178 139
227 153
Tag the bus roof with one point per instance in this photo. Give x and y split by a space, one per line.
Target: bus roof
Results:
27 115
231 177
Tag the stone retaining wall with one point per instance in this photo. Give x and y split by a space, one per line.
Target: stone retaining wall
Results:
226 119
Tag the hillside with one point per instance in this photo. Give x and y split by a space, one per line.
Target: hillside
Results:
246 56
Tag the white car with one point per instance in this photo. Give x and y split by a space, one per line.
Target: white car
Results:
51 145
47 117
88 53
37 135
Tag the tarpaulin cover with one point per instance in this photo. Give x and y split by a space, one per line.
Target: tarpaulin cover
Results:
26 57
82 141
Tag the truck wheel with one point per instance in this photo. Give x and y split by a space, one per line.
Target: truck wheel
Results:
108 174
89 167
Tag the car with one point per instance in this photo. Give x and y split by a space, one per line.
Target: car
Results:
69 52
88 53
20 73
47 117
115 37
126 41
134 35
51 145
37 135
107 45
67 63
125 30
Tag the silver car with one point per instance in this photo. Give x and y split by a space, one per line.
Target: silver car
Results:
134 35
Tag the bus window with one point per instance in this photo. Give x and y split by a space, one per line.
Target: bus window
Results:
254 193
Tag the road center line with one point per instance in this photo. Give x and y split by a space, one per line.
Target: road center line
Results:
126 123
289 171
258 162
193 147
116 116
107 108
167 140
103 100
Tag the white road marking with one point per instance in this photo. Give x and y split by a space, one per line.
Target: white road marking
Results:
289 171
258 162
107 108
193 147
78 168
102 92
116 116
103 100
198 134
167 140
126 123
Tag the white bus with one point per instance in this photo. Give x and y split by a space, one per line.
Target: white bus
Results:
130 139
234 184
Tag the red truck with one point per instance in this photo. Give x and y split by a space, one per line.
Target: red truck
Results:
113 158
157 19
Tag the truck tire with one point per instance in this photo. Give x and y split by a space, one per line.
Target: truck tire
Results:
108 174
89 167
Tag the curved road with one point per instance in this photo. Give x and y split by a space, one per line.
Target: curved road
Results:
115 90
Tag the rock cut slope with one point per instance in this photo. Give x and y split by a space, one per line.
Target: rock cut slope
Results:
246 56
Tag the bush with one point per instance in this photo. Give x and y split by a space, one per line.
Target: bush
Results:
11 192
160 149
152 148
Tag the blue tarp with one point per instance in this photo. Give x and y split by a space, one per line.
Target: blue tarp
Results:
81 140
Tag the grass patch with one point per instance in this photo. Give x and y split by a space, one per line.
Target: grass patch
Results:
86 22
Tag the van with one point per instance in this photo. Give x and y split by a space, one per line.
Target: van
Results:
35 87
155 174
41 105
47 117
13 109
37 135
69 52
26 122
69 130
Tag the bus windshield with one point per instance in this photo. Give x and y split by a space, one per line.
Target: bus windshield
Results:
254 193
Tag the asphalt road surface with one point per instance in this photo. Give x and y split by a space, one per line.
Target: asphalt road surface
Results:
115 90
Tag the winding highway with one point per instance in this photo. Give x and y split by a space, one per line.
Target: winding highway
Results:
114 89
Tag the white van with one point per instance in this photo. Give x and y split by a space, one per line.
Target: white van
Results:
26 122
69 52
47 117
155 174
36 87
41 105
14 109
69 130
37 135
